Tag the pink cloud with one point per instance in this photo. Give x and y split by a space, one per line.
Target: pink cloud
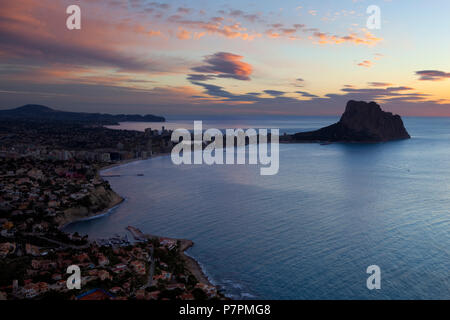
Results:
432 75
225 65
366 64
183 34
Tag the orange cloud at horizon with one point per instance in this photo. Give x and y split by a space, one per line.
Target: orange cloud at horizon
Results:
367 39
366 64
121 48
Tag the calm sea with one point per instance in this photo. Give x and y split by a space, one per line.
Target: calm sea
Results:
311 231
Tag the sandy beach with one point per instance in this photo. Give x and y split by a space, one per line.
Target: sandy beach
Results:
95 215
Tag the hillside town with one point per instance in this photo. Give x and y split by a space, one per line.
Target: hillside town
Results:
81 142
49 176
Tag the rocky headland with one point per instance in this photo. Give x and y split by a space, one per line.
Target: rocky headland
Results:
361 122
101 200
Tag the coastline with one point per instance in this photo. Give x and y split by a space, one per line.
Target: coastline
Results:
128 161
95 215
191 263
112 204
195 268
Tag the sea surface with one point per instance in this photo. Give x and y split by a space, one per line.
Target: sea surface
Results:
311 231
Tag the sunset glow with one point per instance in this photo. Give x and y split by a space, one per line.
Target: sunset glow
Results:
225 58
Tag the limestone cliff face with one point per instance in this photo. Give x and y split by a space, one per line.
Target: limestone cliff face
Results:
361 122
99 201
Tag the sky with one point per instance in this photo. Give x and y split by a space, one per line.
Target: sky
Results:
215 58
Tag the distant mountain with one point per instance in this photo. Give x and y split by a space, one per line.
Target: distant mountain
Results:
42 113
361 122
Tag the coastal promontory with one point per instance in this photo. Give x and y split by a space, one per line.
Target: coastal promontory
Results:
39 113
361 122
